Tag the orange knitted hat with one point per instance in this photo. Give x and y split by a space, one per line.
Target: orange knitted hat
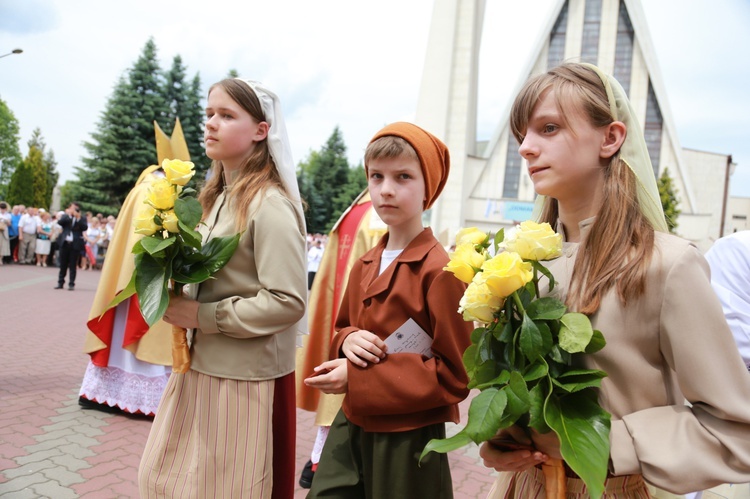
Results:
433 156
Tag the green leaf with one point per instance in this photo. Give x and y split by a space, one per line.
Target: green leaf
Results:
193 274
138 247
151 285
444 445
577 380
485 414
218 251
583 428
597 342
124 294
518 400
546 272
537 396
188 191
531 342
192 237
504 334
536 370
546 308
477 334
499 238
154 245
500 380
485 372
469 358
188 211
576 332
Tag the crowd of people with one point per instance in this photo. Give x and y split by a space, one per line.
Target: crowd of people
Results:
30 236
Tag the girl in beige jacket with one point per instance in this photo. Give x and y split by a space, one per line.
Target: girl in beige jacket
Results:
677 389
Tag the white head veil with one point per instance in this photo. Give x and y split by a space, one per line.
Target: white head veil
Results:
278 143
633 152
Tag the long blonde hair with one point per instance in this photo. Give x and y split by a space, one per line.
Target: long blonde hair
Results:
257 174
618 248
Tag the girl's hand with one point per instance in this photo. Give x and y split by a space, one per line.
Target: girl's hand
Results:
335 379
547 443
511 450
182 312
363 347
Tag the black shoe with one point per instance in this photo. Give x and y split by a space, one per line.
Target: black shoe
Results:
306 478
59 286
71 288
89 404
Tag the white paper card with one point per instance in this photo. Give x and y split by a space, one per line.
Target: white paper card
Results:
410 338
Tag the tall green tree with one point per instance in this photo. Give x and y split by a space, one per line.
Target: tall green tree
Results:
184 100
34 174
21 187
669 200
327 183
123 144
193 125
10 153
52 176
47 175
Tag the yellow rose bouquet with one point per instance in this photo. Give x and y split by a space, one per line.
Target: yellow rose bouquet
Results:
172 252
522 356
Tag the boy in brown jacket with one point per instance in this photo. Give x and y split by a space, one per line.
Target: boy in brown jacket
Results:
398 349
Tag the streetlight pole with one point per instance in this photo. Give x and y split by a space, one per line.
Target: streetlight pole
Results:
15 51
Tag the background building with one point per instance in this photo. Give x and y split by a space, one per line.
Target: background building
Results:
488 186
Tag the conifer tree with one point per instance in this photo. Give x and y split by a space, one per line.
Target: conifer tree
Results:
669 200
52 176
21 187
327 184
10 154
42 162
123 145
34 174
192 127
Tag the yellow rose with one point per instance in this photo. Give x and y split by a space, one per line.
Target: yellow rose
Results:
534 241
470 235
169 219
478 303
144 221
506 273
465 262
178 172
161 194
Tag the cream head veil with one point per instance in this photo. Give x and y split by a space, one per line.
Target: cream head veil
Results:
278 143
281 152
633 152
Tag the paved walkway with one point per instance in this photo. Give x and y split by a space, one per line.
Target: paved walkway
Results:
49 446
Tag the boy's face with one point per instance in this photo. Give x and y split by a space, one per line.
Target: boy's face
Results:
397 190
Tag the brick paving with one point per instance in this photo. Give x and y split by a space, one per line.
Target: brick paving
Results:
49 446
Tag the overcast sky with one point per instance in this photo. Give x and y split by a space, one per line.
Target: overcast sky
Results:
349 63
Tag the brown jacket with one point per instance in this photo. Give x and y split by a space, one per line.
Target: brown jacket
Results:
405 391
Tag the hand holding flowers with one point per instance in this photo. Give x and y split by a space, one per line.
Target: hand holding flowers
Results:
521 356
172 253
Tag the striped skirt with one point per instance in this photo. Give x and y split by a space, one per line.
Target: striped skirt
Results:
530 485
212 437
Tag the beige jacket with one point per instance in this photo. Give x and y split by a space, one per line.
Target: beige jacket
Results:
671 345
249 313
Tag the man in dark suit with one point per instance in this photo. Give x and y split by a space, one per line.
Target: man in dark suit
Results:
71 243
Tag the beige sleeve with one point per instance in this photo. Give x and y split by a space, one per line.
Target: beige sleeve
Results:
281 262
682 448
